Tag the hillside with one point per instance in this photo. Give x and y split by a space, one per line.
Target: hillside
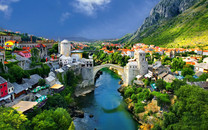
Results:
174 23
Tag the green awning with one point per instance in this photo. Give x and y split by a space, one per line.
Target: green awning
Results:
40 88
36 89
40 99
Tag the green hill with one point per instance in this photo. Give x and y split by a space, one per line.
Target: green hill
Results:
185 29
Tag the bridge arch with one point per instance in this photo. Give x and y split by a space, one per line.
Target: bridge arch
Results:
117 67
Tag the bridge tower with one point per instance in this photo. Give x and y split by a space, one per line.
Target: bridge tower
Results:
142 64
87 71
130 71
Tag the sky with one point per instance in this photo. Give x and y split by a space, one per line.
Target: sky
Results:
92 19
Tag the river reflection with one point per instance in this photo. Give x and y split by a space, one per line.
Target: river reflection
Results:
106 105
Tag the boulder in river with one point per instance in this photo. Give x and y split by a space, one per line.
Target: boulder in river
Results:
78 113
91 116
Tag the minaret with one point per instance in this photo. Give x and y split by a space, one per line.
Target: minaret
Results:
59 46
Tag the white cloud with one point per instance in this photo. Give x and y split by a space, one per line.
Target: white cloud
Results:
5 6
64 17
90 6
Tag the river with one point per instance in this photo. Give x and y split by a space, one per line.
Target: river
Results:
106 105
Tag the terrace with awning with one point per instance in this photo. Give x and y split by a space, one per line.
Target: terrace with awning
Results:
57 87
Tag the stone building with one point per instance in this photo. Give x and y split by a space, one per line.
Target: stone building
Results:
2 57
42 50
138 66
6 38
63 60
131 71
142 63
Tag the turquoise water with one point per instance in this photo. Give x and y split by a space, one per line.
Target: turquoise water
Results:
107 106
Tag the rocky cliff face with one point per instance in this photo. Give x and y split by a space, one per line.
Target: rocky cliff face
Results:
164 10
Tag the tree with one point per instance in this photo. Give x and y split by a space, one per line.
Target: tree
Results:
169 118
139 107
160 84
156 127
133 97
128 92
85 55
177 64
190 110
62 118
35 55
41 82
68 98
188 66
176 84
18 73
146 82
11 119
203 77
162 99
52 120
187 71
54 49
189 78
169 87
55 101
72 126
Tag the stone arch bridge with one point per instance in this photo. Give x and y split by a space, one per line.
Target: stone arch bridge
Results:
113 66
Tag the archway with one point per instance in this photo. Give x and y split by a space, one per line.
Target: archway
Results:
116 67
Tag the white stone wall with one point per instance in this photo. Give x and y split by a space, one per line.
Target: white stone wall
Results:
87 75
131 72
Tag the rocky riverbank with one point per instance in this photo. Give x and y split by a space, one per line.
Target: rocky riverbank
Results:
75 111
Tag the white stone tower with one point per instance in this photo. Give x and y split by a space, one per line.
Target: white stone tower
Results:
142 63
66 48
130 71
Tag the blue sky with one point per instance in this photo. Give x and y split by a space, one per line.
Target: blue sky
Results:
93 19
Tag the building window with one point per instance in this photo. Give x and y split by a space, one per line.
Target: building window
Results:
1 87
2 93
4 85
9 90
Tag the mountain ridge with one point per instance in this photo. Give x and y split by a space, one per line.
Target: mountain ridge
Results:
168 23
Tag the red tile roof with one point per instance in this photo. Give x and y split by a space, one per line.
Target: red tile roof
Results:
39 45
25 52
190 63
1 48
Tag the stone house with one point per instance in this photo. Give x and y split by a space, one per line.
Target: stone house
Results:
169 78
